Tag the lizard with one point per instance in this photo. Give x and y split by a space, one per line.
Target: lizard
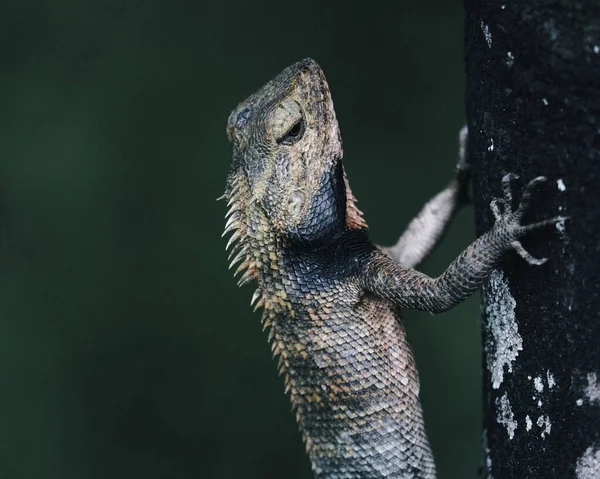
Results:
331 298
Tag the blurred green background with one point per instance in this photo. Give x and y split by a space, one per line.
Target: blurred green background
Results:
126 348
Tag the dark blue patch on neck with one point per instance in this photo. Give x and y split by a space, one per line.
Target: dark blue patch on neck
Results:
326 218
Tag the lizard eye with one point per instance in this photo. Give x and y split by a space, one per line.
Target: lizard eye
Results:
293 134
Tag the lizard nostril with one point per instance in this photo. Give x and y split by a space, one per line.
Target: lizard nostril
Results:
243 117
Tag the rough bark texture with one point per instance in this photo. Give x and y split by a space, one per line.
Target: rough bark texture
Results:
533 94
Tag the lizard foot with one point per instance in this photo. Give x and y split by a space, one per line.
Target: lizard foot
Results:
509 221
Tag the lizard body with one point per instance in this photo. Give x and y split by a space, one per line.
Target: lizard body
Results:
331 297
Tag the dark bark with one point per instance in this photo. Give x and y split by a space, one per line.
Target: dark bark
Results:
533 102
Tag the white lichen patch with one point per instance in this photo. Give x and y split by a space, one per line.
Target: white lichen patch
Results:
560 225
550 378
510 59
504 342
544 423
579 402
545 102
488 456
538 384
588 465
528 423
596 49
540 403
592 391
486 33
491 147
505 416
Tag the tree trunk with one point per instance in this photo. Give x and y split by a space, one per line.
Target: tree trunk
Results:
533 103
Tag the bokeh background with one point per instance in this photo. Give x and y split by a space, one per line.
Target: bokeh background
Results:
126 349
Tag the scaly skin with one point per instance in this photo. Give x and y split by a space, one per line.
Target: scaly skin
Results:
330 296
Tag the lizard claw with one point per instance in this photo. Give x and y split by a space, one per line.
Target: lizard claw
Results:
507 190
495 207
527 194
509 221
522 252
541 224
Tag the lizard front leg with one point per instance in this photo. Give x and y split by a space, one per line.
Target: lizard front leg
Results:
412 289
425 230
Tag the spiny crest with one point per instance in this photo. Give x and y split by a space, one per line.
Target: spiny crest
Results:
354 216
236 225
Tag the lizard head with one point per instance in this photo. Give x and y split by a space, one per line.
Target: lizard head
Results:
287 155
